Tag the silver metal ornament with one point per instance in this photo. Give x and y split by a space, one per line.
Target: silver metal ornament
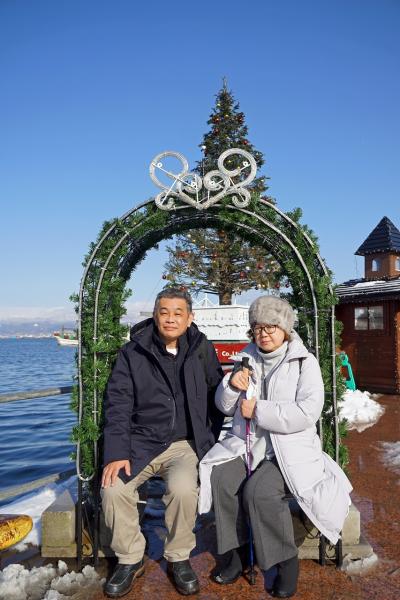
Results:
200 193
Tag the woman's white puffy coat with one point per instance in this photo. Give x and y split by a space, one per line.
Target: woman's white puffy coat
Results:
290 412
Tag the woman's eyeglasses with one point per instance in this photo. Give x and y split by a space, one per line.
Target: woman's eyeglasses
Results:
266 328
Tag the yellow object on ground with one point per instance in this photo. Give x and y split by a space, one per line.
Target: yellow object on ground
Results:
13 529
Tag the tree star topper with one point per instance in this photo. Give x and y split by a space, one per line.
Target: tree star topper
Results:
199 192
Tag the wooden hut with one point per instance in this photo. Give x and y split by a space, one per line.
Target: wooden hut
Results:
369 309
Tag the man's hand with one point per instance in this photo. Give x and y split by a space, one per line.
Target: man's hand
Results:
247 407
110 472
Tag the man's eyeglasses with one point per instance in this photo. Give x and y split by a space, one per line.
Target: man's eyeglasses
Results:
266 328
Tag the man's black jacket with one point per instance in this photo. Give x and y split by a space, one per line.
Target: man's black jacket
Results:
139 405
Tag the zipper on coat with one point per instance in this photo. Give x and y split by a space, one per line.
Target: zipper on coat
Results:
171 399
173 413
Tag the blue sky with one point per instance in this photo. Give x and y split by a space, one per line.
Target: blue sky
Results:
92 90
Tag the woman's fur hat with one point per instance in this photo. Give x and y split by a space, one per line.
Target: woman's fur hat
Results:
272 311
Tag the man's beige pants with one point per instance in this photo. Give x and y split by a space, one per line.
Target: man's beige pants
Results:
178 467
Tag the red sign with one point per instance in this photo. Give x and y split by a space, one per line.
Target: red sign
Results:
225 350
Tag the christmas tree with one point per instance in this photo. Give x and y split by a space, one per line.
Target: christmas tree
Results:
228 130
220 262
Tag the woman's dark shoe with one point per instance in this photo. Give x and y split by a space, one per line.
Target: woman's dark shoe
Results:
121 581
285 583
183 576
233 568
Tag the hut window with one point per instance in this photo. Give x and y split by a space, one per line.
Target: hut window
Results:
397 264
361 318
376 264
370 317
375 317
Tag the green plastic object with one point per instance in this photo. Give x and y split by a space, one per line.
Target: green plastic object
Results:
350 383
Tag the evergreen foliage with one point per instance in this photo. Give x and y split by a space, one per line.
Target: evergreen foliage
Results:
219 262
228 130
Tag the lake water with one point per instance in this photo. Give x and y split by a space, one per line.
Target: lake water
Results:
34 434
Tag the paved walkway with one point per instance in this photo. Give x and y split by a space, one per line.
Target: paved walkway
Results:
377 497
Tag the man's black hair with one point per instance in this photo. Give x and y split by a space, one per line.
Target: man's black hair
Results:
173 292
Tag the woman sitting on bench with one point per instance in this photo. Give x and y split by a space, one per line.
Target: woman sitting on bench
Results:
281 396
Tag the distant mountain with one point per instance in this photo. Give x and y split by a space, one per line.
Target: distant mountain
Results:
11 328
39 328
46 320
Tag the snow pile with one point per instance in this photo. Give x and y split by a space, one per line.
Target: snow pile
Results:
48 583
33 504
391 456
359 409
359 567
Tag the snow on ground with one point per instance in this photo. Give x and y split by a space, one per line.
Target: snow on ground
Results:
33 504
360 566
359 409
48 583
391 454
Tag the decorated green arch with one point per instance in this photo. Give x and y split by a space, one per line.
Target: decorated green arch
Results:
220 201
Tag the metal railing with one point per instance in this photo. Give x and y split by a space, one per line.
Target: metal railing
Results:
31 394
24 488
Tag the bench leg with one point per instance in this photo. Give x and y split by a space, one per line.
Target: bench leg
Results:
339 554
322 550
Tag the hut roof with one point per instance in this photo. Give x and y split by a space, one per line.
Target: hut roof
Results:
357 290
384 238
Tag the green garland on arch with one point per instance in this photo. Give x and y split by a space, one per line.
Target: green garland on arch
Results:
143 230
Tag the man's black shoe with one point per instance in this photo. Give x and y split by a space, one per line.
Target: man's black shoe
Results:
121 581
285 583
183 576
